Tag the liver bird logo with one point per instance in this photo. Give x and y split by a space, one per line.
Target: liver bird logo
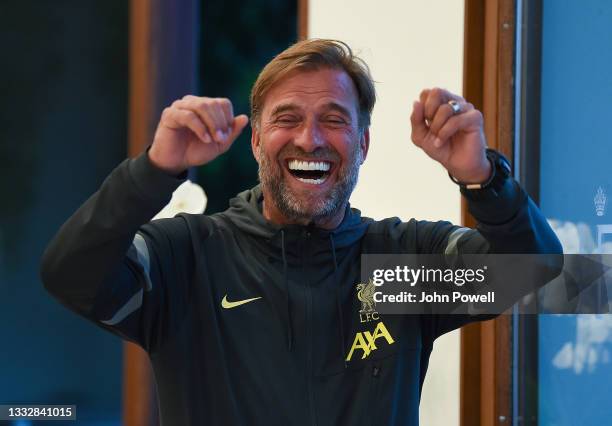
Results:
365 294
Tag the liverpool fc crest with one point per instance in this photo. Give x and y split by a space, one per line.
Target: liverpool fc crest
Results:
365 294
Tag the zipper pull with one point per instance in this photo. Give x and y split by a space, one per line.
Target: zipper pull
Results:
375 371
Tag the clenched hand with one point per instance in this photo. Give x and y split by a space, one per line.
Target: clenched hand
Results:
454 139
194 131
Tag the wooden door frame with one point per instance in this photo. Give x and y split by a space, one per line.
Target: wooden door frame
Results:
302 19
163 66
486 352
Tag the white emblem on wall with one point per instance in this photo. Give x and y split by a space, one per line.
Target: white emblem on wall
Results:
600 202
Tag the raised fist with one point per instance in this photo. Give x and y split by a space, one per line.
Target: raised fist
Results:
450 130
194 131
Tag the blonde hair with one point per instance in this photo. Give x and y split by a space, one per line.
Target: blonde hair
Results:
311 55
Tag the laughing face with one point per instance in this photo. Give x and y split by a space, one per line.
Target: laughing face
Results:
309 147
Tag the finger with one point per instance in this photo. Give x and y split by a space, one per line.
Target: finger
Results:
239 123
469 120
444 113
436 98
423 98
423 95
217 120
419 128
228 114
209 116
190 120
181 118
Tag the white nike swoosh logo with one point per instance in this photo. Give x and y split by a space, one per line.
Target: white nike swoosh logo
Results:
229 305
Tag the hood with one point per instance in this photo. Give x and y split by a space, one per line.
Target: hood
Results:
246 213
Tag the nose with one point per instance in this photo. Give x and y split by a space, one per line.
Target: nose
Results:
310 136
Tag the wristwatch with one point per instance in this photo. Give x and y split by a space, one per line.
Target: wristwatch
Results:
500 171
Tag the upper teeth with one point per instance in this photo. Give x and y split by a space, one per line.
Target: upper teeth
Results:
309 165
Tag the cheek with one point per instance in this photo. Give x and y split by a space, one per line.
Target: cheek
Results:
268 151
344 143
275 141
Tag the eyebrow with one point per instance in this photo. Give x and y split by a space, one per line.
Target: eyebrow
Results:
334 106
278 109
330 106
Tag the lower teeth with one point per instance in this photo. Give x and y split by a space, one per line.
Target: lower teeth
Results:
313 181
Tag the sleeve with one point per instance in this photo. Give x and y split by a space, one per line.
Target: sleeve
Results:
508 222
108 267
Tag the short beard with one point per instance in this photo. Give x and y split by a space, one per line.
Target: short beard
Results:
302 210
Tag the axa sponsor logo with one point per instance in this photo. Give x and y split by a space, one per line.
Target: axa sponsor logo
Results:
365 342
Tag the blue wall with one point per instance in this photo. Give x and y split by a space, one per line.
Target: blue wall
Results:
576 108
576 142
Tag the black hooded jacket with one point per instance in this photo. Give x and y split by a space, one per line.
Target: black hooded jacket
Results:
250 323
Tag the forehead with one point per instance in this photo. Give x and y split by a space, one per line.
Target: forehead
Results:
310 89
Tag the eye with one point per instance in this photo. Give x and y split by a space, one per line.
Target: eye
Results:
336 120
286 119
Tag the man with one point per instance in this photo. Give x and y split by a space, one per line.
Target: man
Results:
251 316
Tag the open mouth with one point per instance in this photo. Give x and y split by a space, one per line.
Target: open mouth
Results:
313 172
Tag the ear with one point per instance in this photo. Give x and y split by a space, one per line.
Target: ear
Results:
364 144
255 141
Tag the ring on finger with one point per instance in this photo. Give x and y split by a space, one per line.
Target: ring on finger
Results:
455 106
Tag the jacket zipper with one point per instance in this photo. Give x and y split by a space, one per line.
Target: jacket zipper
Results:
309 362
374 393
